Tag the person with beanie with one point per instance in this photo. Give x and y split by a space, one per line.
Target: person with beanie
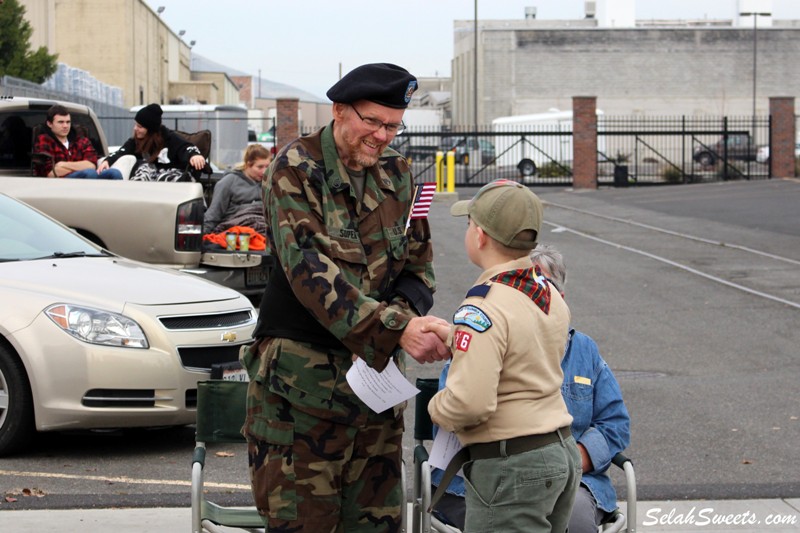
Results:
160 154
352 281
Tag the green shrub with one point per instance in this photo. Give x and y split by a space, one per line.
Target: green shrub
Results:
553 170
672 175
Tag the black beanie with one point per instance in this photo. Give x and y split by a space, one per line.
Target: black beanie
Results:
150 117
382 83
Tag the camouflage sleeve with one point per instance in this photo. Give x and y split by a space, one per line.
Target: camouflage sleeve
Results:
420 253
420 248
300 241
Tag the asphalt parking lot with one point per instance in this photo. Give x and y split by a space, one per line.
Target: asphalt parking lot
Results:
692 293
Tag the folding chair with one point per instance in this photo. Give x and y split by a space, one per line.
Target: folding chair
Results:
617 521
220 416
425 522
202 140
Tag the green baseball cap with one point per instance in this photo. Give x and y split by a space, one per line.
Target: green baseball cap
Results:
504 208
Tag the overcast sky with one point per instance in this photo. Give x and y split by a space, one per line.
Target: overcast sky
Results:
303 42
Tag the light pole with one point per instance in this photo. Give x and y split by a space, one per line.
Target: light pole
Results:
475 69
755 16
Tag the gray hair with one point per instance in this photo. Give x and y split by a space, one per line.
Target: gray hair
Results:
551 260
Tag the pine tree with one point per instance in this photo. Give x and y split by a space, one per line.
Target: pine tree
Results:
16 59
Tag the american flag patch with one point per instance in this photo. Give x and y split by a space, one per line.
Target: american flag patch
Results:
423 196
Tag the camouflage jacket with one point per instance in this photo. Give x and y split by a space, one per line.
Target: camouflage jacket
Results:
341 256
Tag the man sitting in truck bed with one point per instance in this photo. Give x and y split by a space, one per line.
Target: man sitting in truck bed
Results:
70 155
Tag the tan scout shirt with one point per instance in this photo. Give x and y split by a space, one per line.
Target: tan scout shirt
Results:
505 378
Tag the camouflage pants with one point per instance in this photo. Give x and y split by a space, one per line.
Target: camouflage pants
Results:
322 465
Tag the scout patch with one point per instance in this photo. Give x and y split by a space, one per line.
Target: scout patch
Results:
463 339
471 316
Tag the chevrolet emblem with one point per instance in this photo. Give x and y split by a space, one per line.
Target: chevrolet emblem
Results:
228 336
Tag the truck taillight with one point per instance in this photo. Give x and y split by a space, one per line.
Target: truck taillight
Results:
189 226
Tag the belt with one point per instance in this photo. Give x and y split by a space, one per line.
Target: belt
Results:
517 445
495 450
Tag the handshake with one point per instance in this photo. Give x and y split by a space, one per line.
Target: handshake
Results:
426 339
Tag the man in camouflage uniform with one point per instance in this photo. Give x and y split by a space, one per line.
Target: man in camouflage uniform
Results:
351 281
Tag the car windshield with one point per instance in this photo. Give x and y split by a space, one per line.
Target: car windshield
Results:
26 234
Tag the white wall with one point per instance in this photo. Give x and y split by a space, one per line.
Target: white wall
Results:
616 13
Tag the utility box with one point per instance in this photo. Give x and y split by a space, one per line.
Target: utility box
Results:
621 176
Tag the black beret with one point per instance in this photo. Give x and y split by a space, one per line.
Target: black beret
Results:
149 117
382 83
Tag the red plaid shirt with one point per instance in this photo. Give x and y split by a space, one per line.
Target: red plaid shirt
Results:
80 149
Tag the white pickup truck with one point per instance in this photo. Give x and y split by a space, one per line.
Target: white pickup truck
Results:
157 223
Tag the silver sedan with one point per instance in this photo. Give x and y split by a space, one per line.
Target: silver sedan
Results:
91 340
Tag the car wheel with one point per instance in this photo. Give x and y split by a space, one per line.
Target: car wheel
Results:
705 159
527 167
16 404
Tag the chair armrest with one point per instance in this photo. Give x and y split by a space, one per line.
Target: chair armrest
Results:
199 455
626 465
198 463
620 460
420 454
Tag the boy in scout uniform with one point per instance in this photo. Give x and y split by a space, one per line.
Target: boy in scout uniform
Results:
503 398
350 281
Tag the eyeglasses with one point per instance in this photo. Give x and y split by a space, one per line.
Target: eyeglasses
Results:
392 128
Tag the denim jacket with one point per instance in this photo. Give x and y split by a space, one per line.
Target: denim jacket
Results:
600 419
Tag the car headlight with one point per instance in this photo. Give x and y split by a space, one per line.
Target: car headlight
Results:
98 327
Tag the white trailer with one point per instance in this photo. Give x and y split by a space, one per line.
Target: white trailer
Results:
423 118
530 141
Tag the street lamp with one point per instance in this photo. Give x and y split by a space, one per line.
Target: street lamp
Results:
755 15
475 69
160 10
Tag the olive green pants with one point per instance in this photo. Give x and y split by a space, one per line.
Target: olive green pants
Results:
530 492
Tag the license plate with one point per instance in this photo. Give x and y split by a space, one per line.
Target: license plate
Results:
235 374
256 276
230 371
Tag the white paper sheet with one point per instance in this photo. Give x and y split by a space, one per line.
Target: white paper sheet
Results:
379 390
445 446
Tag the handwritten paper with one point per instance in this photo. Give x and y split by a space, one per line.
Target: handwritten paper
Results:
379 390
445 446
